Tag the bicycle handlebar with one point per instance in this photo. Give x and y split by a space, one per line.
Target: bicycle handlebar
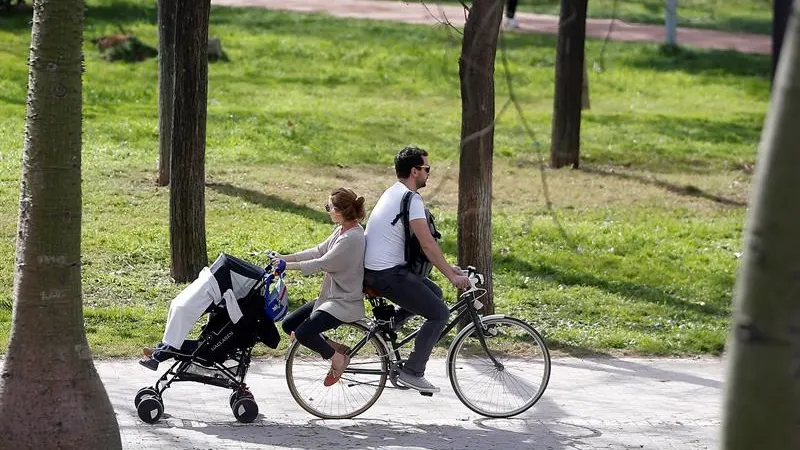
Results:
475 278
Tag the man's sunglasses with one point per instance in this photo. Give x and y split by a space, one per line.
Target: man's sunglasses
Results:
426 168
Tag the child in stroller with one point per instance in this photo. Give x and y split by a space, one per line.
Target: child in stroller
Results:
243 301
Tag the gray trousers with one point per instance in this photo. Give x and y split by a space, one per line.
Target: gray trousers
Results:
419 295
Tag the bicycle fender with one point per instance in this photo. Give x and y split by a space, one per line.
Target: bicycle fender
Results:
469 327
368 324
288 348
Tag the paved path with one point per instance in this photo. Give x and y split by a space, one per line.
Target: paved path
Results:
432 13
629 403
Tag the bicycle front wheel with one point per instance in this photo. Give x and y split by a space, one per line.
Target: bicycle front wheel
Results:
360 385
512 382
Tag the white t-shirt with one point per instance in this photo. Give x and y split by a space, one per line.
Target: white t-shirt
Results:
386 242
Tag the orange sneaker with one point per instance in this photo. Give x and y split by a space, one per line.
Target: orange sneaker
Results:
337 347
339 363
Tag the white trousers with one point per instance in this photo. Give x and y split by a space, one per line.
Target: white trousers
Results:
186 309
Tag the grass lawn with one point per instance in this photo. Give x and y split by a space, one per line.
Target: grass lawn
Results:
652 225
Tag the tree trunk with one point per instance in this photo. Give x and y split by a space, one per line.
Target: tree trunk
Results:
167 24
476 72
187 175
762 398
50 393
566 135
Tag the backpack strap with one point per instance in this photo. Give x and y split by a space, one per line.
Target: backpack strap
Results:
432 224
405 206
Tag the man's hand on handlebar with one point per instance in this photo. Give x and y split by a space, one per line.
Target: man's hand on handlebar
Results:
458 279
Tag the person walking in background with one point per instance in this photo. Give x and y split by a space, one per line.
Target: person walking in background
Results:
511 10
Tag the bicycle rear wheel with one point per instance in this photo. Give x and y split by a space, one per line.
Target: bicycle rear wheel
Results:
509 387
358 389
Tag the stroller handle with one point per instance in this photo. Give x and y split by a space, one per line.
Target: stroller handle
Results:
276 266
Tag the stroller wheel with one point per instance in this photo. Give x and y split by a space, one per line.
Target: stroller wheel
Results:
142 392
245 410
150 409
237 394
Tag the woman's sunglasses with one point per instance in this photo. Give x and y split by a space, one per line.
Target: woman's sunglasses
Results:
329 207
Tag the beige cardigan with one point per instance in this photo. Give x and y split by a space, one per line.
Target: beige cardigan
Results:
341 257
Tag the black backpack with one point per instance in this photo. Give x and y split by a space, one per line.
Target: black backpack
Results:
416 261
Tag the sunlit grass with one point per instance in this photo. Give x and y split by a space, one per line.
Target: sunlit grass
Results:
309 103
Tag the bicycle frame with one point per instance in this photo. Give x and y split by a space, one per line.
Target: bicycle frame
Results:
464 308
465 311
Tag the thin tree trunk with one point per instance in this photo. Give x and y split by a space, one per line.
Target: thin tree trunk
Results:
476 72
187 175
566 135
50 393
167 24
762 398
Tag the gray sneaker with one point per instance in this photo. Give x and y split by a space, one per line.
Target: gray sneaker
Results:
414 382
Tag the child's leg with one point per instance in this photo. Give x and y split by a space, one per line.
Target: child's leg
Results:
296 317
309 333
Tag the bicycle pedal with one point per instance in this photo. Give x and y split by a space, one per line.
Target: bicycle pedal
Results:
426 394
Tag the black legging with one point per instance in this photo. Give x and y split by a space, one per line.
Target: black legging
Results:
511 8
308 327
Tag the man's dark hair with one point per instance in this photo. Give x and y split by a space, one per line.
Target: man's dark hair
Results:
408 158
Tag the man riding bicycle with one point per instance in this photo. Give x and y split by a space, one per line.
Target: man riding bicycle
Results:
386 268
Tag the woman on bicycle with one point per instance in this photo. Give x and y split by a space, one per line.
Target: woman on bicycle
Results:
341 258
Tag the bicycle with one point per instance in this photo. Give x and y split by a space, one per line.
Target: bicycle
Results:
490 350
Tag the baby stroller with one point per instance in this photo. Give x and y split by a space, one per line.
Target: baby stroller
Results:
221 354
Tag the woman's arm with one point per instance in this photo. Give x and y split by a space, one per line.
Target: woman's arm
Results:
305 255
344 254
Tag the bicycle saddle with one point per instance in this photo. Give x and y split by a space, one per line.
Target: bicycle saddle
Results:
369 292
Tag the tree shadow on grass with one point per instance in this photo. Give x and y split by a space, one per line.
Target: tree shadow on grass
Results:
745 24
684 190
703 61
689 143
12 100
622 288
741 129
508 263
269 201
